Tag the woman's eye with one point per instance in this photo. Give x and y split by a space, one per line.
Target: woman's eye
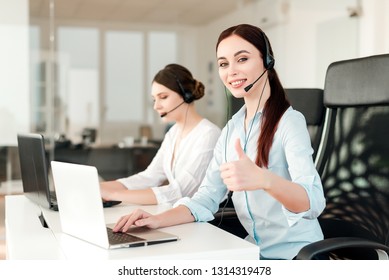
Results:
242 59
223 64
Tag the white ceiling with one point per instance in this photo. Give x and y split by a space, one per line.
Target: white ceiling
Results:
183 12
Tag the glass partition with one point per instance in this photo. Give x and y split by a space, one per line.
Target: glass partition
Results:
88 74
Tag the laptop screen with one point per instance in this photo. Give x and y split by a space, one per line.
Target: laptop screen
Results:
34 168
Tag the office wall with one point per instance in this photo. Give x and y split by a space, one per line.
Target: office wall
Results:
374 27
14 70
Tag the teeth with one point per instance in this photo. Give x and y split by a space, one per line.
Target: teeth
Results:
237 83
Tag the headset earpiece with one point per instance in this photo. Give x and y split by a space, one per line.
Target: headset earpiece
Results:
186 95
268 60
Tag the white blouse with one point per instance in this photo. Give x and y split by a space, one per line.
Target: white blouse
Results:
188 170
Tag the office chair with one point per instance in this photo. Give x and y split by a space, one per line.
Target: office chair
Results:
353 161
309 101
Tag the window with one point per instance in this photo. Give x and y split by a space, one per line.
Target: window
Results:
78 80
124 76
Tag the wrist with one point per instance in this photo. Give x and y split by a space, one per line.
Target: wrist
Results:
158 221
114 195
267 179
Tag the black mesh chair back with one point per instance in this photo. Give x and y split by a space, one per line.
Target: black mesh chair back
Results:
309 101
353 161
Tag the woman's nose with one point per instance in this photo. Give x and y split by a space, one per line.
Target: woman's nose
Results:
232 71
156 105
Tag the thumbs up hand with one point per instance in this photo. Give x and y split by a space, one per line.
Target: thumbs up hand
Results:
239 150
242 174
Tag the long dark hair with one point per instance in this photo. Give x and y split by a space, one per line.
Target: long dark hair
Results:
277 103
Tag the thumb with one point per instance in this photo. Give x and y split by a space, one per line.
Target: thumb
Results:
239 150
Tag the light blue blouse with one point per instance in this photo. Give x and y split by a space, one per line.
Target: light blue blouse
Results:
279 233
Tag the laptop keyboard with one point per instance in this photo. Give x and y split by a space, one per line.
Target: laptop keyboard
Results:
119 237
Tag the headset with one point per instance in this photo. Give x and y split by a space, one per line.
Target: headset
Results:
186 94
268 61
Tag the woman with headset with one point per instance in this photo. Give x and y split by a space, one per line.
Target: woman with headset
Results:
263 158
180 164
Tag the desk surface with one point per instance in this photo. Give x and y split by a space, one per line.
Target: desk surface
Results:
27 239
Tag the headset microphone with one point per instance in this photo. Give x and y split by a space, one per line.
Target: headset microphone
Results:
164 114
246 89
268 61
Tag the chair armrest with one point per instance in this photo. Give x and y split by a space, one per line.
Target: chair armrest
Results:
327 245
227 213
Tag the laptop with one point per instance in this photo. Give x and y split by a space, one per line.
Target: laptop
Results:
75 183
36 173
35 170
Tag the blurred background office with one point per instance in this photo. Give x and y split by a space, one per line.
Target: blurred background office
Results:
79 71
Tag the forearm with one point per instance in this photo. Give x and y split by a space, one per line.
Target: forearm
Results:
114 190
290 194
245 175
143 197
175 216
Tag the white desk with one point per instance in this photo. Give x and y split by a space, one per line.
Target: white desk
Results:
27 239
11 187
